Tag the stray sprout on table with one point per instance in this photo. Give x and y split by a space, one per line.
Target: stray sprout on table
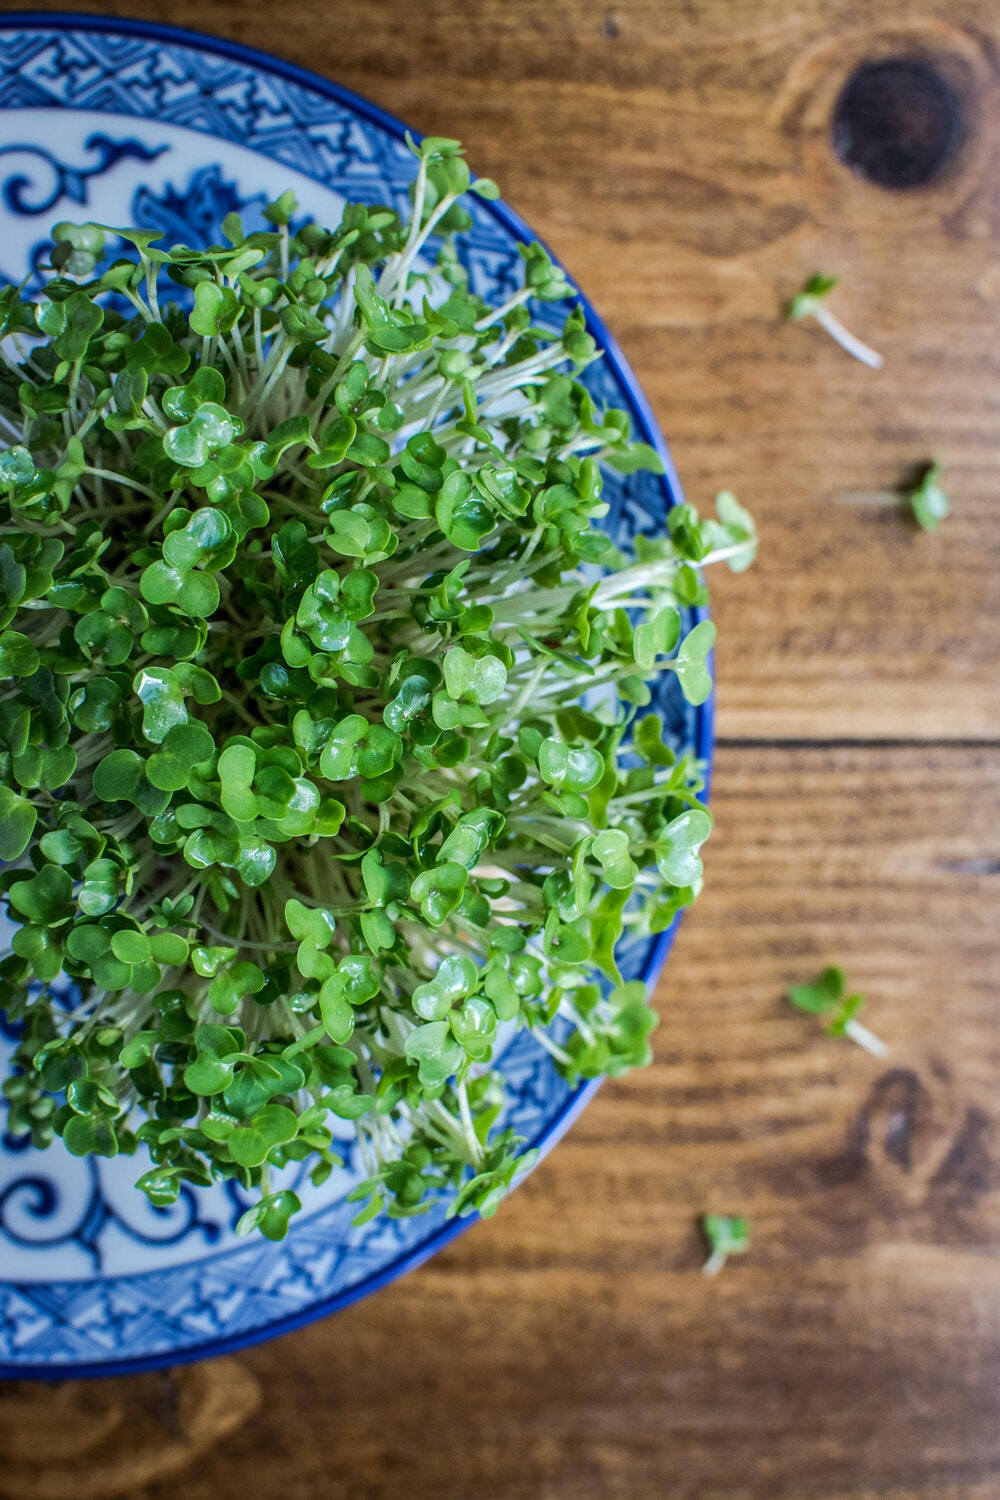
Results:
325 752
928 501
827 997
810 302
725 1236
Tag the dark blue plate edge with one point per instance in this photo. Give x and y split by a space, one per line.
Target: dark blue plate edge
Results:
648 429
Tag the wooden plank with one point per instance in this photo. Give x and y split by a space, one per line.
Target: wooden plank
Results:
677 156
570 1347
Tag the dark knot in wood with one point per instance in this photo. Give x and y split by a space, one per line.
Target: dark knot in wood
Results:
897 122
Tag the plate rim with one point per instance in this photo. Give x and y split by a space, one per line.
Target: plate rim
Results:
704 738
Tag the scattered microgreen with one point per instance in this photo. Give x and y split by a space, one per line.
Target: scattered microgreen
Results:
725 1236
928 501
828 996
810 302
303 587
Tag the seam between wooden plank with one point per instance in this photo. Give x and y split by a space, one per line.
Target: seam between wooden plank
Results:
758 742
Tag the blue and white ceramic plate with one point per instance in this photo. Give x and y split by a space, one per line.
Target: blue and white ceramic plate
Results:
135 124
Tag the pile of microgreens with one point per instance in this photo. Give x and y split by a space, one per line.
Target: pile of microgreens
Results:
323 753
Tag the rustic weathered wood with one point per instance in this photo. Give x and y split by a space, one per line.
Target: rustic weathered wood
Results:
676 154
95 1440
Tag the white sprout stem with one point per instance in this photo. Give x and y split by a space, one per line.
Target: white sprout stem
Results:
518 299
530 686
394 279
865 1038
417 213
847 341
131 484
551 1047
715 1262
151 297
651 575
468 1125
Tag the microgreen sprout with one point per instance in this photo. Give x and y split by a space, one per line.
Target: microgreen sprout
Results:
810 302
323 759
725 1236
827 997
928 501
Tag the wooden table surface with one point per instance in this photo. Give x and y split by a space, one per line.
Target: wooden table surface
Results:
677 155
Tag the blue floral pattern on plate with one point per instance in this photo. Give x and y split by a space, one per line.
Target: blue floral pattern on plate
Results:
126 122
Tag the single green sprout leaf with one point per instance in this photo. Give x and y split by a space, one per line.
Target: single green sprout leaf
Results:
691 662
806 302
822 995
928 502
827 996
810 302
17 823
270 1215
725 1236
739 531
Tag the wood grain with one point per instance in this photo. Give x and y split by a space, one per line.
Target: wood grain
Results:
99 1439
676 154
